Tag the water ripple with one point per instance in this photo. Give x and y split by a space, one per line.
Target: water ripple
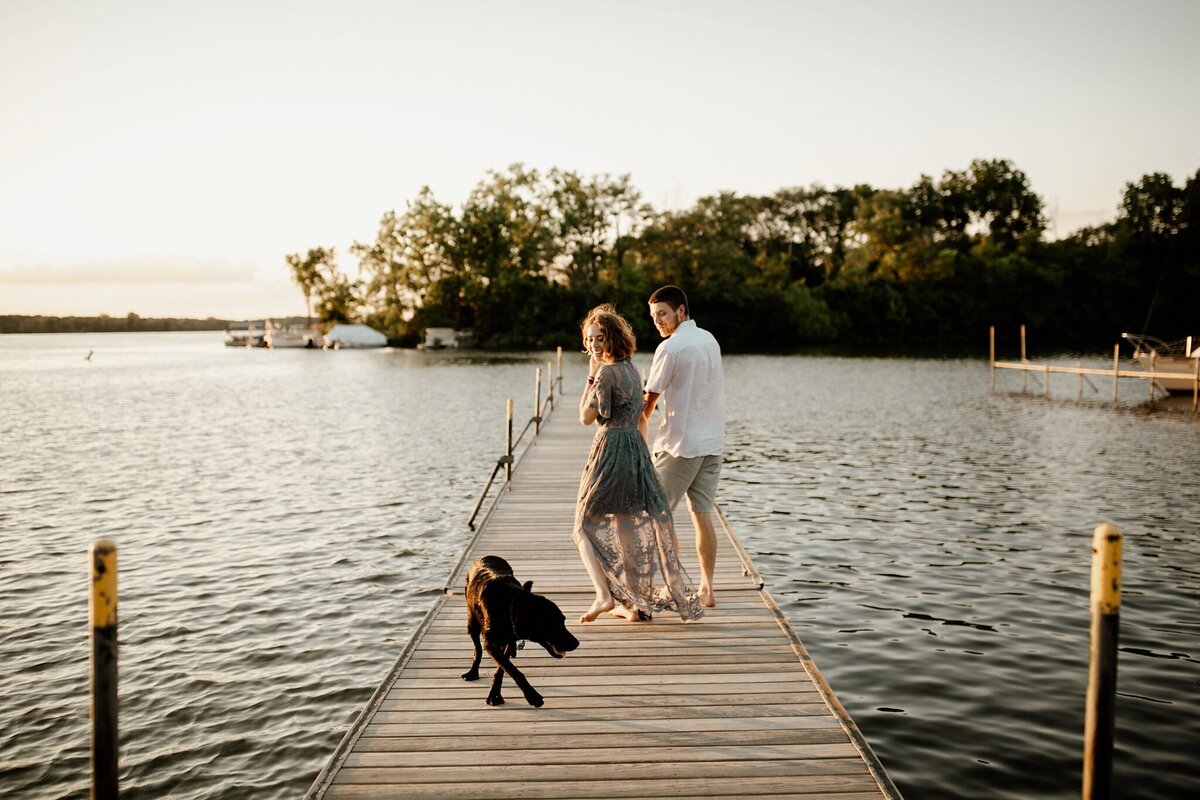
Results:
929 541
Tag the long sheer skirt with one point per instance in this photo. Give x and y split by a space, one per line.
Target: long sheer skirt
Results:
623 511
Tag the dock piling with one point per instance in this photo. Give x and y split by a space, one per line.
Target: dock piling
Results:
1153 364
1102 663
1024 373
508 443
992 354
1195 383
103 612
537 401
1116 369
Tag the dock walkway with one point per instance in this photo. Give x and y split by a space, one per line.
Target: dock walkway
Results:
730 706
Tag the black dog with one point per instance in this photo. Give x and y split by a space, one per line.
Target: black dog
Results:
505 611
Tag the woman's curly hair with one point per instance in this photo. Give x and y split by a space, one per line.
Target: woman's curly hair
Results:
618 334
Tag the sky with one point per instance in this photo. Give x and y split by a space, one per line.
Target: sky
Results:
162 158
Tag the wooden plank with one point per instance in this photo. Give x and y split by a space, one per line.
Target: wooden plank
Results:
712 712
474 742
528 721
583 755
830 787
589 771
660 701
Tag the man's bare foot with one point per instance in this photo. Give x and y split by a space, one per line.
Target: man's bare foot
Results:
707 598
598 608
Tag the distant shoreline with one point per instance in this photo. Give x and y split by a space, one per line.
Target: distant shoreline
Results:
130 323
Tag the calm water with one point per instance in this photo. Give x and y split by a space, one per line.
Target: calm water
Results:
285 519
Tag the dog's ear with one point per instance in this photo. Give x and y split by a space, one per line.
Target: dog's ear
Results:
527 586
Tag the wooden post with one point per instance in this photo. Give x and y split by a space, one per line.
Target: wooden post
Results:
104 670
1196 383
1116 369
992 354
1047 378
1153 368
1024 372
508 442
1102 664
537 402
1079 395
559 372
550 385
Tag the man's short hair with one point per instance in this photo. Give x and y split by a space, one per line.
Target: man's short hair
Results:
672 296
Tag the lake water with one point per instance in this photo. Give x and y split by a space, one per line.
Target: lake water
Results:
286 518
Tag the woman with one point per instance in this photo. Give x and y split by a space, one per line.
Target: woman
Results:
623 526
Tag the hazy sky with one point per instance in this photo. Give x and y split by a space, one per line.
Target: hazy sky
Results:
163 157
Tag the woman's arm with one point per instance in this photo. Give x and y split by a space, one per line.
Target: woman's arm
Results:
588 413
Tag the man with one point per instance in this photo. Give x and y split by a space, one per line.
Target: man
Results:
686 373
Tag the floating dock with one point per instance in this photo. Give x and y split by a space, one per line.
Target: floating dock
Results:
728 707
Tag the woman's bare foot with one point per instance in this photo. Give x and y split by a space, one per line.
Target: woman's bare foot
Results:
630 614
598 607
707 598
623 612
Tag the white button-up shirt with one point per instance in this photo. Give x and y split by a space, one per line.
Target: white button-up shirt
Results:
687 373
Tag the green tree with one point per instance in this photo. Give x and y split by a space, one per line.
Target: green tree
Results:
318 275
306 272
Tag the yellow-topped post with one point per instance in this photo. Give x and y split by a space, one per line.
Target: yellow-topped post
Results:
1102 664
103 607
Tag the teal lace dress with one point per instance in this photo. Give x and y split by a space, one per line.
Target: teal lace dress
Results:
622 508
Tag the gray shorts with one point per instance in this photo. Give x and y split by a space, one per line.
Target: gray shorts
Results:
695 477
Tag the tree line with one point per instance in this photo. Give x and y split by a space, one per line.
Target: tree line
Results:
528 252
35 323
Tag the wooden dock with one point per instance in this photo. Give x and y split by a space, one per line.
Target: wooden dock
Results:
730 706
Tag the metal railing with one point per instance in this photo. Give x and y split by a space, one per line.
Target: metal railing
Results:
541 412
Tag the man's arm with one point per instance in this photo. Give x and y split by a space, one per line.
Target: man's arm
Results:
649 400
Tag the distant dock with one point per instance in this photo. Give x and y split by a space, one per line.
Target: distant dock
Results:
730 706
1162 380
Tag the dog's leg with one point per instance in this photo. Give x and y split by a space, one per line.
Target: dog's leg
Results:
473 631
501 657
494 697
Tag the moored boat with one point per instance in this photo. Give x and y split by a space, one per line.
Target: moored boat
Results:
302 336
244 334
348 335
1180 358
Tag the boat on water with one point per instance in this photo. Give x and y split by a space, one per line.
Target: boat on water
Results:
347 335
245 334
443 338
1179 357
302 336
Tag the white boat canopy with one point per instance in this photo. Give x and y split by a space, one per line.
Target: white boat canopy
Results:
354 336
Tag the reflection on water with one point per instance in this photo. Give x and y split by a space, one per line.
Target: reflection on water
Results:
285 519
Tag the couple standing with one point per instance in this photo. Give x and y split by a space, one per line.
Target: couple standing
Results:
624 528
